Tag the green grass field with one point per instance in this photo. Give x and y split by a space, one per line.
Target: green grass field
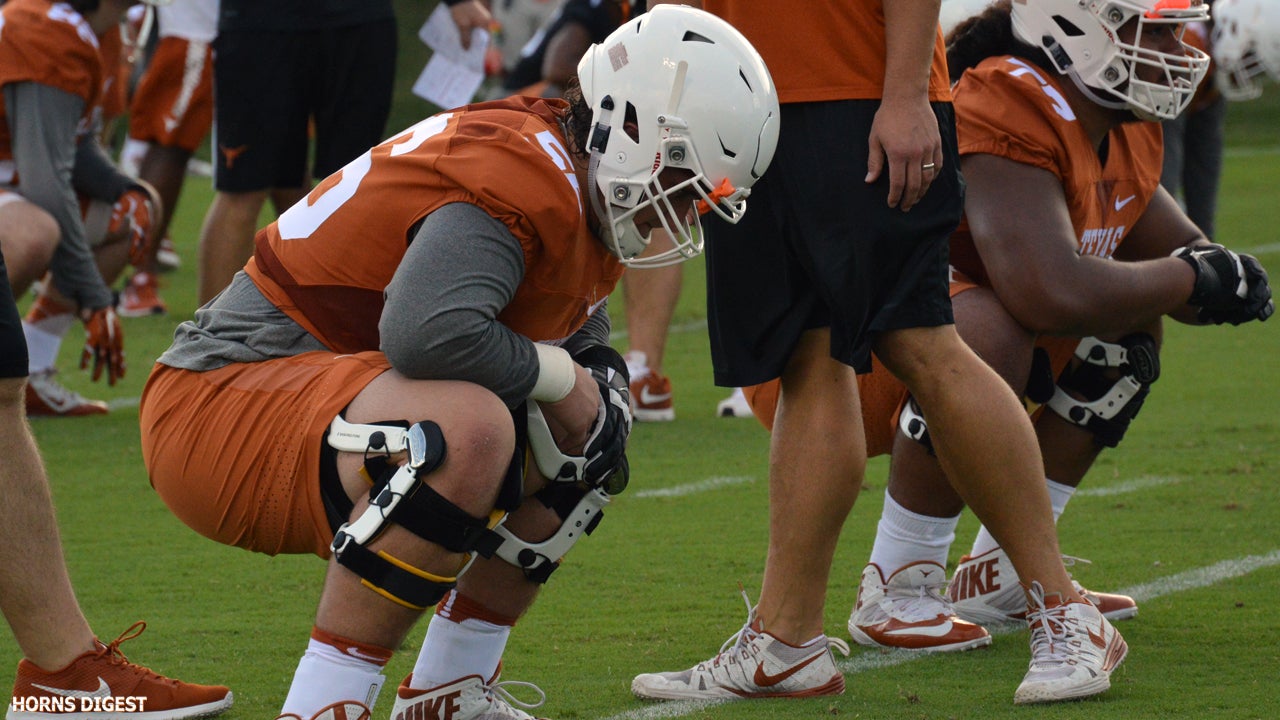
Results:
1185 516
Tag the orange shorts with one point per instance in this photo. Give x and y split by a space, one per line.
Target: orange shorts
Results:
235 452
173 103
883 394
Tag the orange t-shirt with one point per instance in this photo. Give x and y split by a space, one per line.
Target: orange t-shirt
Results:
818 51
1010 108
326 261
48 44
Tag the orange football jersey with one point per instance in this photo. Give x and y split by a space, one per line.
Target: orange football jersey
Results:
1010 108
50 44
819 51
326 261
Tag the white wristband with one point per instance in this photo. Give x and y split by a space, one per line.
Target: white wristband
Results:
556 374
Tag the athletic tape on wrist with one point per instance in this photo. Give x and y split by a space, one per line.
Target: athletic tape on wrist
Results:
556 374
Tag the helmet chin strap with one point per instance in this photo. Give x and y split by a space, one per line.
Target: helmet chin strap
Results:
593 189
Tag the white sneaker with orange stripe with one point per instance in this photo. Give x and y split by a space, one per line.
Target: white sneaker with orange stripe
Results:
751 664
1074 650
909 611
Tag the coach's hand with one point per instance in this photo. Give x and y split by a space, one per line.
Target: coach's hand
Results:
103 344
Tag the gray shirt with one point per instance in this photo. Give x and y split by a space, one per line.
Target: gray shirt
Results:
439 320
42 125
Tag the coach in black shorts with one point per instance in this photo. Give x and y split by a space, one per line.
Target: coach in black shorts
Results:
283 69
844 254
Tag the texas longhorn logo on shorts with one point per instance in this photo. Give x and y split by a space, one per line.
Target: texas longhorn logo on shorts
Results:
61 700
231 153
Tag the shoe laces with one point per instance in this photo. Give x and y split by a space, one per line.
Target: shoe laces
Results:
917 603
500 691
1050 628
739 645
112 654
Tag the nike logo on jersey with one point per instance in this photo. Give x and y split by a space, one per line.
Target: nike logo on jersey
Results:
103 691
764 679
1121 203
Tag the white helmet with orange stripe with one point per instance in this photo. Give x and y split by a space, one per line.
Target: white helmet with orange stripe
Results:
675 88
1114 53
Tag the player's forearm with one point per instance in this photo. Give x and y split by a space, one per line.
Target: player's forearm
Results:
911 28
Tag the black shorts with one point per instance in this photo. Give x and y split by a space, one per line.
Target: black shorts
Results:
13 344
271 88
818 247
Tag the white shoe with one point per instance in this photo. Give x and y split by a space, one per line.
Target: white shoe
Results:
909 611
468 698
985 590
46 397
735 405
751 664
1074 649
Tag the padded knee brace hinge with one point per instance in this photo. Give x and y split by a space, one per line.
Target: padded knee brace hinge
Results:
403 497
1111 403
539 560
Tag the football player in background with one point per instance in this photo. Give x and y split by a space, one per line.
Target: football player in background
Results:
55 77
169 116
1069 256
51 74
445 295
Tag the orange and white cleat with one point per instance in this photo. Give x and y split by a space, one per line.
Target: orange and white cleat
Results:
1074 650
909 611
102 683
141 296
985 590
468 698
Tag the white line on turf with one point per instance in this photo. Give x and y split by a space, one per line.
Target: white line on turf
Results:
1128 486
879 659
710 483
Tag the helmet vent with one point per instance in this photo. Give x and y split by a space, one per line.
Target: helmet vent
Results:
727 152
745 81
691 36
1068 28
631 123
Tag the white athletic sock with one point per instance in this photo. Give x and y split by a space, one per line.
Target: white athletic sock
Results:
1059 496
327 675
131 156
637 364
44 340
904 537
454 650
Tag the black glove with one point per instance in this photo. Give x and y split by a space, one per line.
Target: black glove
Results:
1229 288
606 446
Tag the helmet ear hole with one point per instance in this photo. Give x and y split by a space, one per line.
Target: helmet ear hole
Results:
631 123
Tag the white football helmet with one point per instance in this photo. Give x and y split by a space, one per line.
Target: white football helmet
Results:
674 88
1082 40
1246 44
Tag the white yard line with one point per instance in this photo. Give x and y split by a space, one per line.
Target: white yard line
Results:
1128 486
711 483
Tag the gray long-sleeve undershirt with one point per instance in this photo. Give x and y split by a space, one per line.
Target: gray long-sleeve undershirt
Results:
439 320
42 125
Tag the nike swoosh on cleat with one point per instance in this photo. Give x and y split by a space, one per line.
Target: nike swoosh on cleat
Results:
649 398
925 630
764 679
103 691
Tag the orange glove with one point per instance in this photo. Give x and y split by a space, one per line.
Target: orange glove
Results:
133 213
104 344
